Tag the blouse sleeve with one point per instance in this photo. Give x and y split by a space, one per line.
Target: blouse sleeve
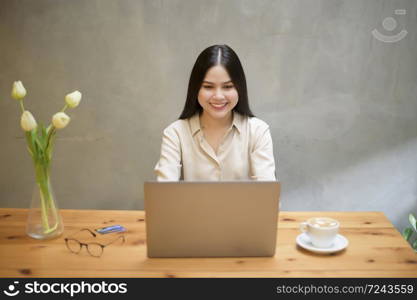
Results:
169 166
262 156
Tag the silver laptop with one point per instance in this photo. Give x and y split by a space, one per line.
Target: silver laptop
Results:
211 219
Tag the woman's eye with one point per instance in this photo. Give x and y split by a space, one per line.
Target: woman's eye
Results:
228 86
207 86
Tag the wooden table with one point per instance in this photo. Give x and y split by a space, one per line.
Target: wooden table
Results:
376 249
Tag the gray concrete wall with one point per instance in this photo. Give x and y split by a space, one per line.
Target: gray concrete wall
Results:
341 104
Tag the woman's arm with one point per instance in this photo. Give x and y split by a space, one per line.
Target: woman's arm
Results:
262 156
169 166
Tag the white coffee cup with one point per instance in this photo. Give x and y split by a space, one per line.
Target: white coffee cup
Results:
322 231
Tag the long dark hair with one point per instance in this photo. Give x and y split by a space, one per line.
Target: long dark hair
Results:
207 59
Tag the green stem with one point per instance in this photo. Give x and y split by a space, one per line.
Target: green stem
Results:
50 131
43 190
51 203
21 105
47 205
64 108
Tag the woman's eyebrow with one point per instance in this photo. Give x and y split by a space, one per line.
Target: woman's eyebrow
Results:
205 81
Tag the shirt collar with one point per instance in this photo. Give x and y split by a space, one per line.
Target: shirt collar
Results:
195 122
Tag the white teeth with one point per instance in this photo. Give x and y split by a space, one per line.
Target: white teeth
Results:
218 105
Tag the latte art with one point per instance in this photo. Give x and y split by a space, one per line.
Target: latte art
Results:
323 222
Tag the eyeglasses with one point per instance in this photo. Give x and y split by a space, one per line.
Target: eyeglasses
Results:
94 249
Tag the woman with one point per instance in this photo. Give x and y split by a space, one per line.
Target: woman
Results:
216 137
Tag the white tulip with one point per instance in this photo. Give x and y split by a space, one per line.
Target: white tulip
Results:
18 90
60 120
27 121
73 99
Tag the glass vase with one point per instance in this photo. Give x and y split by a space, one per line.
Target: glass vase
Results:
44 220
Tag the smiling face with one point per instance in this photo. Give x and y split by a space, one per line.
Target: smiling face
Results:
217 95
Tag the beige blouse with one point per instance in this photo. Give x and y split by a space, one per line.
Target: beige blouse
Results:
246 152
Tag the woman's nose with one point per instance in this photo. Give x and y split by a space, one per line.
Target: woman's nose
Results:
218 94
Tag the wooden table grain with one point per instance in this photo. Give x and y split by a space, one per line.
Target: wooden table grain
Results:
376 249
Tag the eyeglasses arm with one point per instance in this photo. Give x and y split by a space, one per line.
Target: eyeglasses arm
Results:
84 229
116 239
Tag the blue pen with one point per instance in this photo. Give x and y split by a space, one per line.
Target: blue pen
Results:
110 229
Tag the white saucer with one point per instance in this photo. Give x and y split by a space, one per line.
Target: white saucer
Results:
340 243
